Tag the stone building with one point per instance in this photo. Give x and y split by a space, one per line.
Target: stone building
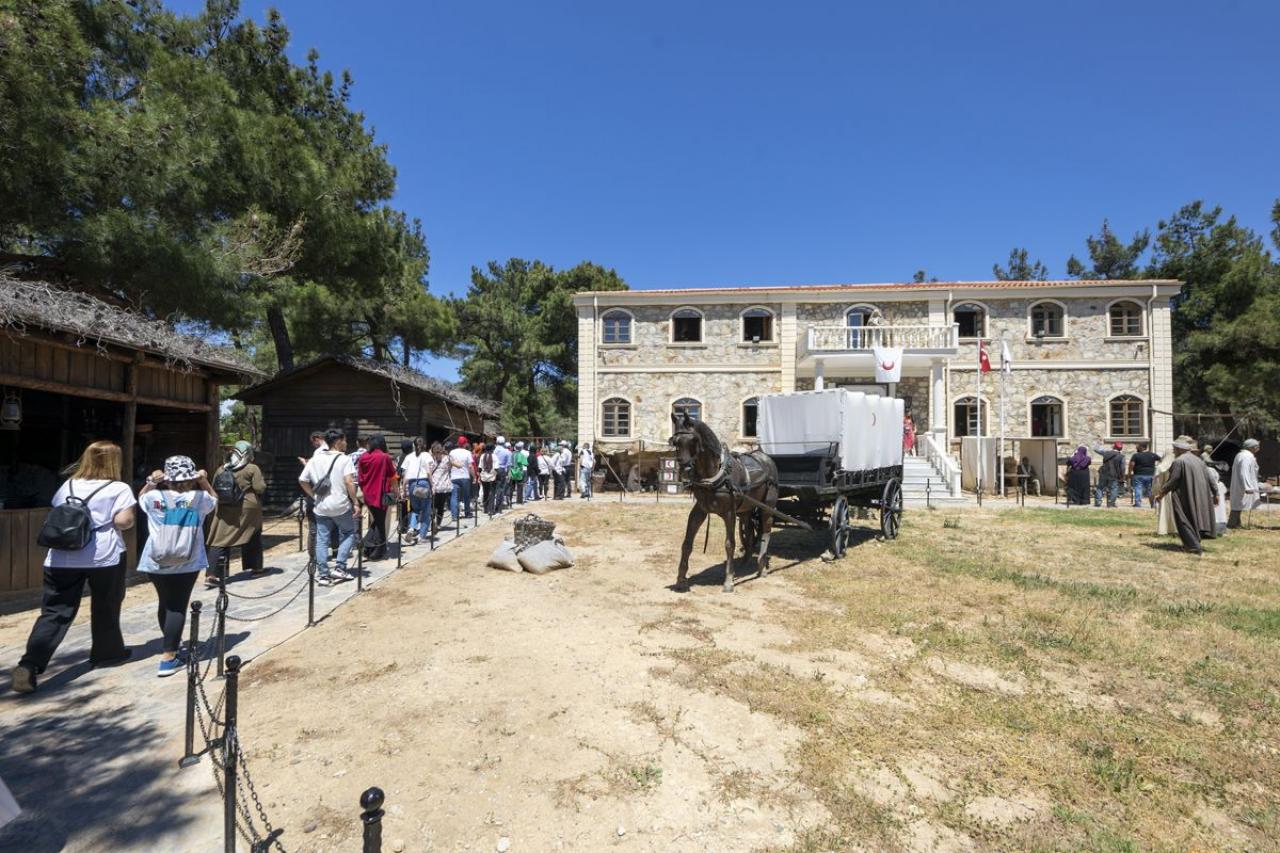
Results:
1091 360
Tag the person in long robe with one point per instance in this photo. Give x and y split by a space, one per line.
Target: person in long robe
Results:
1219 491
1244 482
1187 489
1078 476
1164 509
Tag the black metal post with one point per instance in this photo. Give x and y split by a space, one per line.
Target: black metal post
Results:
399 534
301 513
311 593
221 607
371 803
193 671
360 549
928 494
435 525
230 755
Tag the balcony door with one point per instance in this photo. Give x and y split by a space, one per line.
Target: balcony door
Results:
857 320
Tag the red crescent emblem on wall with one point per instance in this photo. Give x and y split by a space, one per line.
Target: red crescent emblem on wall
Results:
886 365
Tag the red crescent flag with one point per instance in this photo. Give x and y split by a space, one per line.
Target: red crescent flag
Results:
983 362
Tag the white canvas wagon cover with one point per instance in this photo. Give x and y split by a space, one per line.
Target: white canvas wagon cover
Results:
866 428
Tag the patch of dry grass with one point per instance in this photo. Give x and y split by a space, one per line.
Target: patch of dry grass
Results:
1083 686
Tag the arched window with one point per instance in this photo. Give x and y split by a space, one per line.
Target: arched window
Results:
972 319
615 421
1125 319
967 412
1046 417
615 327
757 326
857 318
686 326
687 406
1048 320
1125 416
750 411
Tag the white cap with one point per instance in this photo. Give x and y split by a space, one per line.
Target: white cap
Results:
501 440
564 443
519 445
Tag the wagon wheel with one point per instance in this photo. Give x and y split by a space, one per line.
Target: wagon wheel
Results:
891 509
839 526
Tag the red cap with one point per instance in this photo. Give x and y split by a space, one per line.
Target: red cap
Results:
1119 445
462 441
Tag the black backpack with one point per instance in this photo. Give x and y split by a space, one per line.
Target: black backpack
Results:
69 526
229 492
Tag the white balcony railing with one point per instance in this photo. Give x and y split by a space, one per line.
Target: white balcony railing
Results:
839 338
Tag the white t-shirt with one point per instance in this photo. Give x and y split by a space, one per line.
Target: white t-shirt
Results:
107 545
544 464
161 506
460 460
411 467
586 460
336 502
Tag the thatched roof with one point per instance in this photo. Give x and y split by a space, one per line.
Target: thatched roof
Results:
95 323
395 374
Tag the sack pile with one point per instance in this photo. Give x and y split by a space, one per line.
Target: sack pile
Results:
534 549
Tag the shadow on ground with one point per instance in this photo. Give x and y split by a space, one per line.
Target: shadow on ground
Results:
78 779
788 547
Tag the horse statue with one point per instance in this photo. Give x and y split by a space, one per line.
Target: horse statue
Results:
721 481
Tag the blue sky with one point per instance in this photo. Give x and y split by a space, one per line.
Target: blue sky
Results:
703 144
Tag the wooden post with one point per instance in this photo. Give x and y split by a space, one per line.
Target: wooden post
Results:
130 422
213 436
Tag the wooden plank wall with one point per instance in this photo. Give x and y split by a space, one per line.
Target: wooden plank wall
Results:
33 359
22 560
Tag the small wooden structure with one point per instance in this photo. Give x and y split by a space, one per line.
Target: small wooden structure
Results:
82 370
360 397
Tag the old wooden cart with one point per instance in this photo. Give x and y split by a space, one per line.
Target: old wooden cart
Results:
835 450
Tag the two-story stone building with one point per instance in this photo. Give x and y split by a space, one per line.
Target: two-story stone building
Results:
1091 360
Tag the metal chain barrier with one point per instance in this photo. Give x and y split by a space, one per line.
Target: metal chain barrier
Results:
279 609
268 594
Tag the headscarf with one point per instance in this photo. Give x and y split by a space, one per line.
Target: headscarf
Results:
241 455
1080 459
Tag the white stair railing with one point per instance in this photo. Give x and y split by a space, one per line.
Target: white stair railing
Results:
941 461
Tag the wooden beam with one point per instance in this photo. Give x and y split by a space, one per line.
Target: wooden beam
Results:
130 422
213 430
96 393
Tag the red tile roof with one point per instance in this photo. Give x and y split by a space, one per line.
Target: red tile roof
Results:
924 285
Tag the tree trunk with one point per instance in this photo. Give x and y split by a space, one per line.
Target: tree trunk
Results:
280 334
531 386
405 354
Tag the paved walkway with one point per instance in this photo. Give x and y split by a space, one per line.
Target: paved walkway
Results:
92 756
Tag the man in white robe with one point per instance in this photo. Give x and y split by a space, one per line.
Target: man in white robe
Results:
1244 482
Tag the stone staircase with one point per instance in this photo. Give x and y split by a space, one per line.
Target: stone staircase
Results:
919 478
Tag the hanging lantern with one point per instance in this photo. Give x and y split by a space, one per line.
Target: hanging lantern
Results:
11 412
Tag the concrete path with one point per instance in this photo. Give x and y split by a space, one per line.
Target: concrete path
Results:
92 756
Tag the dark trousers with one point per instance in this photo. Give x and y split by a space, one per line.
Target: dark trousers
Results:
518 487
375 540
488 496
63 589
250 556
173 594
440 503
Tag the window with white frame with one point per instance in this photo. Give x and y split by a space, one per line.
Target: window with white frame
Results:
615 421
757 326
1046 417
1047 320
687 406
750 414
615 327
856 319
967 412
1125 320
1125 416
686 326
972 320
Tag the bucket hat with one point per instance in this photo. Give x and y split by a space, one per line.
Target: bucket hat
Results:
179 469
1184 442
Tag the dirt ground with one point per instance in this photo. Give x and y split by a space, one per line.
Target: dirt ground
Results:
1011 680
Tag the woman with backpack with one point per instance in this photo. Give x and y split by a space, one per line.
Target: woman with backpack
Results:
487 469
175 501
90 510
237 523
439 475
380 485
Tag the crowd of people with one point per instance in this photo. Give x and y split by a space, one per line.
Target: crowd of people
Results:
1186 485
92 510
427 480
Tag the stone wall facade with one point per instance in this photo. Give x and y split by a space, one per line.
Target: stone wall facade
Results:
1085 368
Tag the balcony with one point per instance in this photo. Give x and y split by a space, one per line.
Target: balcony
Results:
918 340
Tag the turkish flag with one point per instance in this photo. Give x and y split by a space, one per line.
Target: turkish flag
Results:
983 362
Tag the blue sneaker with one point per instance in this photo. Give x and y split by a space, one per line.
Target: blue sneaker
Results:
167 668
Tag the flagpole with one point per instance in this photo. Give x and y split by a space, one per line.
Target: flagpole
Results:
980 454
1000 458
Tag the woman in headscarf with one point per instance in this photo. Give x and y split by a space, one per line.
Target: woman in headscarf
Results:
379 485
1078 476
237 522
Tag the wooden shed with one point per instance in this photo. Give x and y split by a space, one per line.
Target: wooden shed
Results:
360 397
79 370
